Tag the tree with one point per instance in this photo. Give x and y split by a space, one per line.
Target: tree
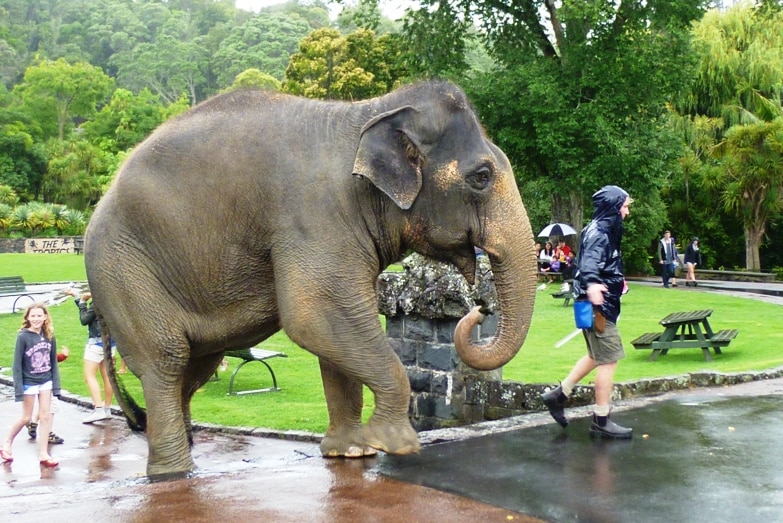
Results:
22 160
751 179
578 99
125 121
254 78
738 87
176 62
354 67
73 173
264 42
70 90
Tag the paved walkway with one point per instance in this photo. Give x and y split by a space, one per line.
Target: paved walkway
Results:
706 455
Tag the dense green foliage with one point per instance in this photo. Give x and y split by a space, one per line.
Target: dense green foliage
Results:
577 93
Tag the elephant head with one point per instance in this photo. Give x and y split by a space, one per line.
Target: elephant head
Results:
455 191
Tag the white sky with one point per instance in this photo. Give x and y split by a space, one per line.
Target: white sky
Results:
390 8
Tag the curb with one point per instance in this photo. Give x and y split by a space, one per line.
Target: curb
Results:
260 432
646 388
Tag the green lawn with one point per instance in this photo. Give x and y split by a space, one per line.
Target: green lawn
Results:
300 404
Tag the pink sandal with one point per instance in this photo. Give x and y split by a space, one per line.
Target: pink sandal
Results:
50 463
7 456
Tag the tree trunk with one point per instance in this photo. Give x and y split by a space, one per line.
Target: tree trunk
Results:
569 208
753 237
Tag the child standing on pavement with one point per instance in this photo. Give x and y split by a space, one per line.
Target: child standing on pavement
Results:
35 375
32 426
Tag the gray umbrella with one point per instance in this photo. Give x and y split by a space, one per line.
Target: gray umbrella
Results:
556 229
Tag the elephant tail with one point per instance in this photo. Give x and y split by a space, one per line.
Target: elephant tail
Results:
134 414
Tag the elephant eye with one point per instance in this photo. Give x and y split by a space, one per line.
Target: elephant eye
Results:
480 178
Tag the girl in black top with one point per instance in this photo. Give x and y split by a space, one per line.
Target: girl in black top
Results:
692 259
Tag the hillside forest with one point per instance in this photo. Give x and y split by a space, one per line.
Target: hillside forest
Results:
677 101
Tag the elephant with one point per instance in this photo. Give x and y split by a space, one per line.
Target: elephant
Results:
257 211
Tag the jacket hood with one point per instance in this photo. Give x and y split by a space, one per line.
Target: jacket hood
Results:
607 202
606 210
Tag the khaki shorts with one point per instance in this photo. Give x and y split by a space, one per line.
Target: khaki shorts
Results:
605 347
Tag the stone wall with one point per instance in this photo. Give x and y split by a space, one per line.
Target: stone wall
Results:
422 307
60 244
11 245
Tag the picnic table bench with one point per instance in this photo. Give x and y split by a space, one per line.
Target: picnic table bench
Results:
543 275
566 296
14 286
686 330
247 356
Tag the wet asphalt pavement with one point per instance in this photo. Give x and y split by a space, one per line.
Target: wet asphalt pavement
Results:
704 455
709 455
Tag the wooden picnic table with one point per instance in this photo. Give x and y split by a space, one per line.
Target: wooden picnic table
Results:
686 330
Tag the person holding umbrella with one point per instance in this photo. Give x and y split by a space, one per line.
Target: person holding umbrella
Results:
599 277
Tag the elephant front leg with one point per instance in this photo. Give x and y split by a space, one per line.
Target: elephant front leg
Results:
389 429
344 402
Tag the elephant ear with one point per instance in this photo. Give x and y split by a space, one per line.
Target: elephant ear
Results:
390 157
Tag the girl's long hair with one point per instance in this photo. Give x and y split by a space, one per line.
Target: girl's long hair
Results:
47 328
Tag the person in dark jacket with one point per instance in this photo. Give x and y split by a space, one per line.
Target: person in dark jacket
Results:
599 278
669 259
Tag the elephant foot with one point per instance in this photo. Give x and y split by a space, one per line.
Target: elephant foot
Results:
159 470
399 438
345 444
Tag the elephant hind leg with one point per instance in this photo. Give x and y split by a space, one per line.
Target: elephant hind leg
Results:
197 373
344 401
164 394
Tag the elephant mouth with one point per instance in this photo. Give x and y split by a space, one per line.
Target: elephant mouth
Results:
465 262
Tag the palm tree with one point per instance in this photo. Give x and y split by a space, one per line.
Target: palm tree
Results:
6 218
8 195
751 175
738 85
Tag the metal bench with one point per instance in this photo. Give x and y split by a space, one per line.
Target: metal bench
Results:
253 354
14 286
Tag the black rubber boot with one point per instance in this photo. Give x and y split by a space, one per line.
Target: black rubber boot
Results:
603 427
555 401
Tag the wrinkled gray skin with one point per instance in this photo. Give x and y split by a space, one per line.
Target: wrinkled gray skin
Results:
257 211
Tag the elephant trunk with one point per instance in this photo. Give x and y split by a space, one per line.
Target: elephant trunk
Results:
511 253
